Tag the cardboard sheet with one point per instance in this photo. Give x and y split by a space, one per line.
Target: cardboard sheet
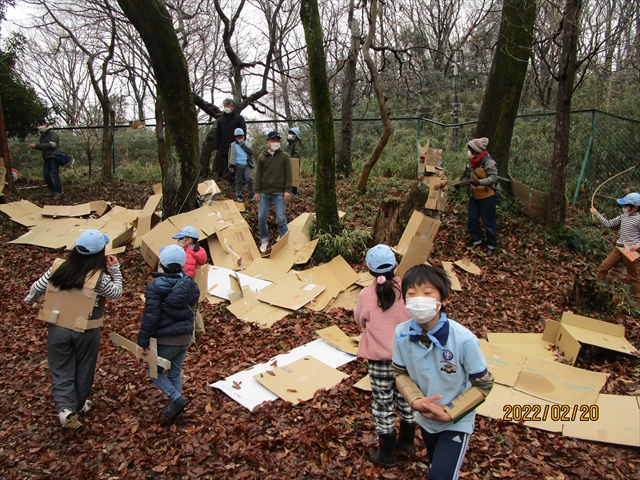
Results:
151 358
23 212
248 308
66 210
295 172
147 218
363 384
152 242
419 225
437 199
333 335
529 344
468 266
218 282
417 253
301 379
276 267
220 257
455 281
504 364
365 279
336 276
346 299
290 293
237 240
559 383
208 188
250 393
56 234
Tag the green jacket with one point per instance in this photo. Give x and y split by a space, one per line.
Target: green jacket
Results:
273 173
295 148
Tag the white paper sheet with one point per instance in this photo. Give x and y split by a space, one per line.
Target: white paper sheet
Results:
219 285
251 393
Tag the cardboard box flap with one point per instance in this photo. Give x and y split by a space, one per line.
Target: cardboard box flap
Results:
365 279
455 281
559 383
301 379
208 187
219 285
81 210
336 337
598 333
249 309
238 241
153 241
147 218
417 253
468 266
277 265
290 292
346 300
219 256
504 364
100 207
529 344
419 225
336 276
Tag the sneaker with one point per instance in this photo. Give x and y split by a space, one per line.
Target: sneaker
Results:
264 246
175 408
239 199
69 419
476 244
51 193
57 195
87 406
490 252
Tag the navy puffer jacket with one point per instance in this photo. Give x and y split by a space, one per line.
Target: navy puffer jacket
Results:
171 300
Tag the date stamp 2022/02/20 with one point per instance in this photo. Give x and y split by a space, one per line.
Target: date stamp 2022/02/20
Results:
555 413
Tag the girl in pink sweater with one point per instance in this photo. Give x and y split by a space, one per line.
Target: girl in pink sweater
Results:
196 257
379 309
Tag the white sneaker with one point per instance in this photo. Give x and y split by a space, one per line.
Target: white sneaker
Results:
69 419
87 406
263 247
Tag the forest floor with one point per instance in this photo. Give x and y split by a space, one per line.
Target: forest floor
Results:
528 282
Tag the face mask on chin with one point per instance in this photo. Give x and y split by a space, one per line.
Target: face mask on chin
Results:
423 309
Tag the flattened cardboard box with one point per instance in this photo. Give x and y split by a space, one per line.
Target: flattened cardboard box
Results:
147 218
529 344
276 267
468 266
66 210
56 234
23 212
534 202
301 379
299 237
249 309
205 219
417 253
238 240
295 172
208 187
455 281
219 282
152 242
559 383
419 225
346 299
336 276
290 293
333 335
504 364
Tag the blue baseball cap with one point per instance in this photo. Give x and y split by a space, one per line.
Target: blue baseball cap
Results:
190 232
273 134
380 259
238 132
296 132
173 254
91 242
631 199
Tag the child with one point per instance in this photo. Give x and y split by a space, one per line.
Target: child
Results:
241 165
629 223
72 354
436 361
379 310
294 146
485 189
171 298
196 257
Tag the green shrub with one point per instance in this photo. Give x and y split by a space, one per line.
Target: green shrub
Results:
351 244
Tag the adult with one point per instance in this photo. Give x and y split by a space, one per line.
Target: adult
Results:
49 144
483 175
225 128
294 145
273 186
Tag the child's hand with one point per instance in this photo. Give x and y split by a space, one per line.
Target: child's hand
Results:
437 185
145 351
111 261
594 211
428 408
634 248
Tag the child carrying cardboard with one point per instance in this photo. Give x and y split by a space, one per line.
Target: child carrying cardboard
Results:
439 369
629 240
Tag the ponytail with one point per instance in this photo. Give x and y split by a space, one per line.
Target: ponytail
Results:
387 289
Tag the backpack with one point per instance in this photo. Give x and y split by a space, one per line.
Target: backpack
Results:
63 158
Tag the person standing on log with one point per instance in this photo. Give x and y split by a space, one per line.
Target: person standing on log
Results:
225 136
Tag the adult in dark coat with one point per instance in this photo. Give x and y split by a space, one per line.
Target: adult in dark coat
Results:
227 124
49 145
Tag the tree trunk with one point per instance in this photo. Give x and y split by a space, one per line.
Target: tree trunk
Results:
415 200
348 85
504 87
556 211
386 228
108 121
4 151
382 102
326 201
180 173
205 152
160 131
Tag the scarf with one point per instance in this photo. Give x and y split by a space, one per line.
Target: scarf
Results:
415 331
477 160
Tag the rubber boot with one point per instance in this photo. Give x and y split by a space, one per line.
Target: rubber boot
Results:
384 454
406 437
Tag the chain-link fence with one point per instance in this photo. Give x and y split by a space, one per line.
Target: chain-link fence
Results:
601 145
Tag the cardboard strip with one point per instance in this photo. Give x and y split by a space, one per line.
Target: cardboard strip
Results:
336 337
151 358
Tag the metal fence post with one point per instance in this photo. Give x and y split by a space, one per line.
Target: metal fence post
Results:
587 156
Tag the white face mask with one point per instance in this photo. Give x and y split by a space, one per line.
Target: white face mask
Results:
274 146
423 309
292 137
41 128
226 110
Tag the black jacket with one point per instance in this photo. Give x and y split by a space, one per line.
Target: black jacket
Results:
171 300
227 124
49 144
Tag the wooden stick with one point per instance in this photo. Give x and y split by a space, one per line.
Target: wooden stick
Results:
601 185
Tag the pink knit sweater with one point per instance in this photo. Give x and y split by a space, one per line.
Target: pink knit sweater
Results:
379 326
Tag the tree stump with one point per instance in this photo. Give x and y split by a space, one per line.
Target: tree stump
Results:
386 228
592 294
415 200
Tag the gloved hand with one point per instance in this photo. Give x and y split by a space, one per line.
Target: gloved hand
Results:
475 182
29 298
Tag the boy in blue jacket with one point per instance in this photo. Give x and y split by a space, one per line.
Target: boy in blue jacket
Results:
171 300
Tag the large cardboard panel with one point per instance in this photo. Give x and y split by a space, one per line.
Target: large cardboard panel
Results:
123 215
218 282
301 379
417 253
229 212
220 256
336 276
534 202
346 299
468 266
455 281
205 219
419 225
250 309
66 210
615 419
504 364
560 383
147 218
336 337
55 235
502 399
437 199
238 241
100 207
23 212
295 172
208 187
290 293
529 344
276 267
363 384
152 242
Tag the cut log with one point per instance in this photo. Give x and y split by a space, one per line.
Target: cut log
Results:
592 294
386 228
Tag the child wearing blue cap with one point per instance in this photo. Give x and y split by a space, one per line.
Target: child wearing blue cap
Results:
72 353
241 164
629 223
170 302
379 310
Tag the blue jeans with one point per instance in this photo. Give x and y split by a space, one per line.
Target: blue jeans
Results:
171 383
52 175
266 200
485 208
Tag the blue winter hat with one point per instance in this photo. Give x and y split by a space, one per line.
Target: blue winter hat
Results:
296 132
273 134
172 254
91 241
190 232
238 132
631 199
380 259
